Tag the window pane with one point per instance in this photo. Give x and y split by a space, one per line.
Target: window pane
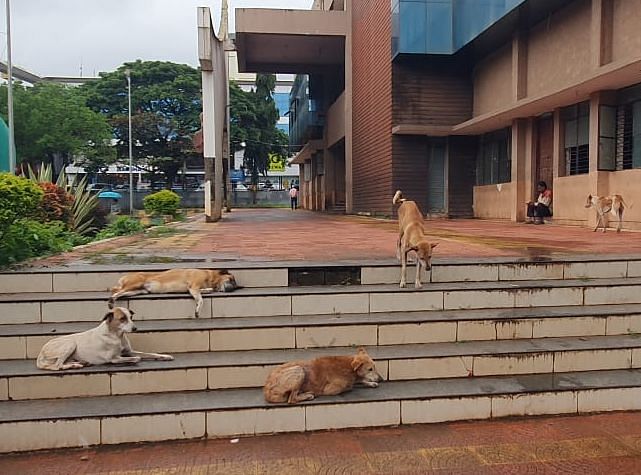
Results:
607 121
584 131
571 133
607 148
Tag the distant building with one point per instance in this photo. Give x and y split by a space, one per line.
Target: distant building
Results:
462 104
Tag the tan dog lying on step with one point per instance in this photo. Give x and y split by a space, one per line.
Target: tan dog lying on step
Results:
193 281
607 204
411 237
106 343
325 376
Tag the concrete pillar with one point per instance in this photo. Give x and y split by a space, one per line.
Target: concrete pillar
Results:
329 180
519 66
558 156
601 32
349 183
597 179
519 168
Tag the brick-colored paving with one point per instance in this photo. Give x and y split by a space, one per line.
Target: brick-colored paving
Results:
280 234
600 444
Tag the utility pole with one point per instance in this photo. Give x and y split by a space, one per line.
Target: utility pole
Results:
131 165
12 149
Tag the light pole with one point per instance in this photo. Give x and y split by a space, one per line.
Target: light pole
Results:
131 165
12 150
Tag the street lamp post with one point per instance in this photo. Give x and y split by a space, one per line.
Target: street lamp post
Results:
12 150
131 166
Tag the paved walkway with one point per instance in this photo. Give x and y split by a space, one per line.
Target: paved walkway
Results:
600 444
280 234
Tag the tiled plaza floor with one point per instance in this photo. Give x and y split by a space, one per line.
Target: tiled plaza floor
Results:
280 234
600 444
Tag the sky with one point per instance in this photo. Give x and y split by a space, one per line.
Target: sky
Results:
58 37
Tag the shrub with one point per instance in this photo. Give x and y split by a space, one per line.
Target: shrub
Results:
57 204
28 238
121 226
19 198
163 202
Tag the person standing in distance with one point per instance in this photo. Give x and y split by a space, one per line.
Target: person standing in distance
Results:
293 196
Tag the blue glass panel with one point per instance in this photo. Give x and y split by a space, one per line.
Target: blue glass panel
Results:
439 27
443 26
413 27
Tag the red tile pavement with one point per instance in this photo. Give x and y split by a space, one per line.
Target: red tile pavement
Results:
607 443
281 234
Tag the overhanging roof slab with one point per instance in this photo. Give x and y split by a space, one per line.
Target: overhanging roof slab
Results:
289 41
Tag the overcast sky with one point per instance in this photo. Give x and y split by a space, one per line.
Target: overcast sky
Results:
54 37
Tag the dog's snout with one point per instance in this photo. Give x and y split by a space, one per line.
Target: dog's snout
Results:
229 286
134 328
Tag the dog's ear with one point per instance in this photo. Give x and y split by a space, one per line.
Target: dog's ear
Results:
361 351
109 316
132 313
357 362
223 272
433 245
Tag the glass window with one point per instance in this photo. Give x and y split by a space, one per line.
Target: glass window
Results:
607 137
413 25
631 136
494 159
576 121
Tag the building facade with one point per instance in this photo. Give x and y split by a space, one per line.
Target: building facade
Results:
464 105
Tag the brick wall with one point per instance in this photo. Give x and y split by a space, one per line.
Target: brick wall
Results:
372 106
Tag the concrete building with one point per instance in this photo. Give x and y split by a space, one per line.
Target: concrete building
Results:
464 105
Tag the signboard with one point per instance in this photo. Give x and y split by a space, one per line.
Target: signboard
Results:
276 163
237 176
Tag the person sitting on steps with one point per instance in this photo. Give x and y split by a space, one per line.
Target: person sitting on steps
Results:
540 209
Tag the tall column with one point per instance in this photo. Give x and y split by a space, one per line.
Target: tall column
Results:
558 157
519 66
349 183
518 169
601 32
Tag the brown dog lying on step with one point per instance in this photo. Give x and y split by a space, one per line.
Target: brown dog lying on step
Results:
325 376
193 281
411 237
604 205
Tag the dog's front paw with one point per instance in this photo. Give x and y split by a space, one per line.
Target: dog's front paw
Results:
402 285
418 285
166 358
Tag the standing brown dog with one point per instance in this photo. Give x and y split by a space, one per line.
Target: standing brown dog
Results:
325 376
604 205
411 237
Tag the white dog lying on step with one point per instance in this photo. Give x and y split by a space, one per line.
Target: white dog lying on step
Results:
106 343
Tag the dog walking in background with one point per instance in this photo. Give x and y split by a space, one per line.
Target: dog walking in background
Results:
412 237
325 376
193 281
607 204
105 344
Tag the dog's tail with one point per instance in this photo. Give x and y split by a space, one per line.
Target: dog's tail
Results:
398 197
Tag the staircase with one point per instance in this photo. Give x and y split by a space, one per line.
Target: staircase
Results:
478 341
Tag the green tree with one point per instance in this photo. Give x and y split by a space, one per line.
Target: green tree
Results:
53 125
166 103
253 120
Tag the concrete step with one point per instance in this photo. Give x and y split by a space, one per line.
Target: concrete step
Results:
240 369
46 424
47 307
311 331
97 278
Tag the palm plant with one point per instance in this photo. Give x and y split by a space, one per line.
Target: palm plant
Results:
84 201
